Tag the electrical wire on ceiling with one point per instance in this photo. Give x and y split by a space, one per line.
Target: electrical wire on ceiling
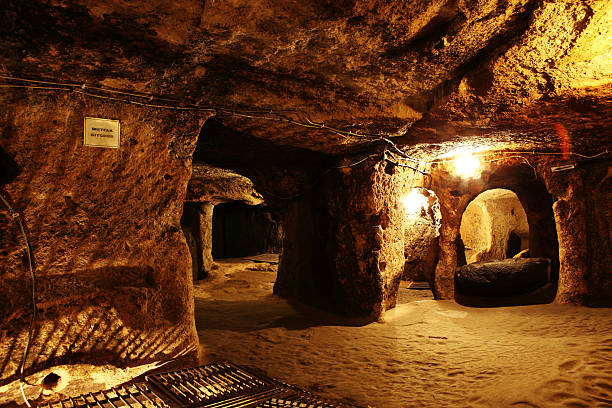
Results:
293 117
391 158
319 178
533 153
289 116
391 154
17 218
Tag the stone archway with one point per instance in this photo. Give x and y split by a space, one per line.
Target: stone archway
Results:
455 194
494 226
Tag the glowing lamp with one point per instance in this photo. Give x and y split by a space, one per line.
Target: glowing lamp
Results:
466 165
414 202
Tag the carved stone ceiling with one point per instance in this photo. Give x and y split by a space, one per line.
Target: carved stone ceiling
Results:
510 71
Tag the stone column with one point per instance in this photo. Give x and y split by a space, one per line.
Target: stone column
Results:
570 211
205 214
452 210
453 194
344 242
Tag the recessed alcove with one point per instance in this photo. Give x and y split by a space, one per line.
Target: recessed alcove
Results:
240 230
494 226
506 245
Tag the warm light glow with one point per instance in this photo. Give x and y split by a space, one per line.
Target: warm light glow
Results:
466 165
414 202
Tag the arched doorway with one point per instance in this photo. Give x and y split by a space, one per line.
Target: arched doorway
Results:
494 226
240 230
506 250
455 194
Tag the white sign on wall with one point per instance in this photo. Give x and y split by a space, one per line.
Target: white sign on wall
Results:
101 133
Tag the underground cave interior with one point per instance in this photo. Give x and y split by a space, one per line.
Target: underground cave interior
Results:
494 227
224 216
360 141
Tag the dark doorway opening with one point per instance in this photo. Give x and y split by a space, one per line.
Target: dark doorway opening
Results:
240 230
514 245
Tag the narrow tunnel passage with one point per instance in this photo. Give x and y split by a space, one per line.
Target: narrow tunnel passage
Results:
240 230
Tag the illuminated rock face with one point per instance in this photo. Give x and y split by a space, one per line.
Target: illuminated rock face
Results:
417 69
112 267
489 223
421 239
105 224
557 208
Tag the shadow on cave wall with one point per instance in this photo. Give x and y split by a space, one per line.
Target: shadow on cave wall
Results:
9 169
54 337
112 330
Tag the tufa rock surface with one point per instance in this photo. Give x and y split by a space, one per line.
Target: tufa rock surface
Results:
489 224
112 267
502 278
279 86
419 70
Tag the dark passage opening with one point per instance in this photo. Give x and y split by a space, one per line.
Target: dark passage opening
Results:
514 245
241 230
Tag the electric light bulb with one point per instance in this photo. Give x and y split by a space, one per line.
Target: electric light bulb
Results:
414 202
466 165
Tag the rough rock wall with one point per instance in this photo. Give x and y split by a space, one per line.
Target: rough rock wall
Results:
573 232
351 233
582 213
369 241
487 223
421 240
112 268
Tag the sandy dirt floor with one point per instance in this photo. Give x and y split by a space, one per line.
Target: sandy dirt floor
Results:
425 353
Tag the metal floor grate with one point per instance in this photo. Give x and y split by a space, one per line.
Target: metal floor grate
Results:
138 395
205 385
221 385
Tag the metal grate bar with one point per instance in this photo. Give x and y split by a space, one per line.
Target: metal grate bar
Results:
250 400
221 385
130 396
211 385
